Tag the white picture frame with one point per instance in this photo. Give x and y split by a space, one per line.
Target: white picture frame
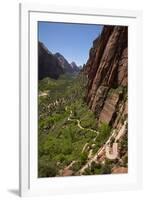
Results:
30 185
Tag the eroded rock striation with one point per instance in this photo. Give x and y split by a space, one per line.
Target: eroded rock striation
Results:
107 71
107 94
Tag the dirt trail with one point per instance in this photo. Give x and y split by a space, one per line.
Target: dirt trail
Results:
42 94
106 146
81 127
94 158
102 149
114 154
79 123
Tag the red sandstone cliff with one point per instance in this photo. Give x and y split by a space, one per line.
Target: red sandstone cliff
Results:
107 72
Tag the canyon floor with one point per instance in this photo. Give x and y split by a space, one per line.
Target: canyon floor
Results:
69 140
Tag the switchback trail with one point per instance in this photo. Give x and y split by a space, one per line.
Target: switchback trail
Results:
79 123
81 127
100 151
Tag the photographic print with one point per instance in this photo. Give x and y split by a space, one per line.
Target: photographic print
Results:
82 99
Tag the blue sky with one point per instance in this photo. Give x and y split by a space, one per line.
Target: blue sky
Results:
73 41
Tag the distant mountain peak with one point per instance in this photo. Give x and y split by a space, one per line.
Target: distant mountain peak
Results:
75 67
65 64
44 47
48 64
73 63
59 54
52 65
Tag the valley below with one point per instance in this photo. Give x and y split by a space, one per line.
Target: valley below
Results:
83 112
66 125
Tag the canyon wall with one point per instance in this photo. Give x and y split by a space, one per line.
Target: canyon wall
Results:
107 93
53 65
48 64
107 71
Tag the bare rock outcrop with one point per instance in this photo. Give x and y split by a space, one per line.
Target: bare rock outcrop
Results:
119 170
109 108
107 94
107 69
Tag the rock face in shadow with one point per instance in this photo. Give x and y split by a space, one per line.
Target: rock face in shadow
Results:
67 67
53 65
75 67
107 72
64 63
48 64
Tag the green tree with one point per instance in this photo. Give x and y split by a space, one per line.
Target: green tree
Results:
83 158
47 168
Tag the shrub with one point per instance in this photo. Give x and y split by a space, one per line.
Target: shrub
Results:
104 129
87 171
125 161
106 167
67 148
76 166
47 168
83 158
